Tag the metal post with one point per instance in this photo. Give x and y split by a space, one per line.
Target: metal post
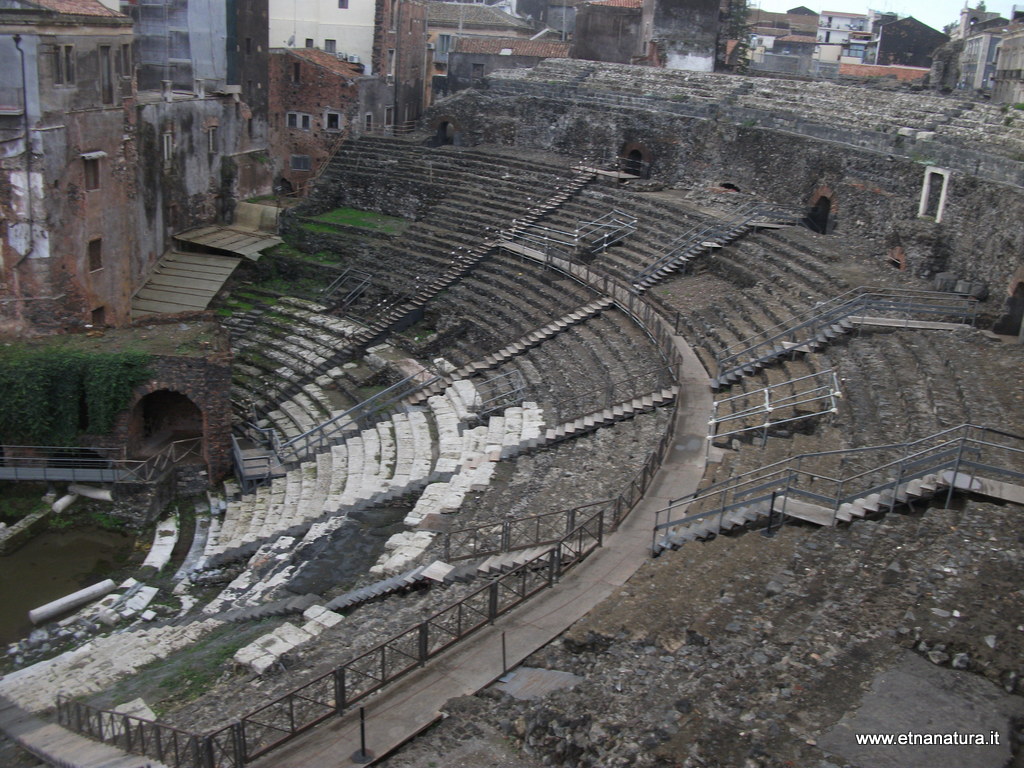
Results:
362 755
504 655
768 532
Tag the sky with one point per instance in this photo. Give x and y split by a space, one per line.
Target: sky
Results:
934 13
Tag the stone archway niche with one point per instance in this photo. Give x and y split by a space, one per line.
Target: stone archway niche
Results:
160 418
821 212
635 159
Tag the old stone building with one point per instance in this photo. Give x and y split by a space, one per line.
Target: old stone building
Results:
681 34
1008 79
69 253
314 102
473 58
609 30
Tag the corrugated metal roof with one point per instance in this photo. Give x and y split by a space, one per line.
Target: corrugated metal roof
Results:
183 282
246 243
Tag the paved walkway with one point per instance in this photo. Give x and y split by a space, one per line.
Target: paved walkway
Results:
408 706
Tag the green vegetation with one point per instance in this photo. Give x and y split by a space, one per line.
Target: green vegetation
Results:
18 500
351 217
52 395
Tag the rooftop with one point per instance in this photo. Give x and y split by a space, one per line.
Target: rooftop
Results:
76 7
471 14
323 59
514 45
618 3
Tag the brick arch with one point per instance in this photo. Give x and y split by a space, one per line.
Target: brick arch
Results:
822 207
636 158
1011 321
446 131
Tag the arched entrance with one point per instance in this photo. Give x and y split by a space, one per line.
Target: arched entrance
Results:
635 160
445 134
163 417
819 214
1010 322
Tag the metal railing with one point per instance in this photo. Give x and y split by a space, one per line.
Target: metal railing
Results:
172 746
760 409
53 463
694 238
831 479
895 303
330 694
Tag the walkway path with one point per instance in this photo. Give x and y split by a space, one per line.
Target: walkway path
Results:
407 707
60 747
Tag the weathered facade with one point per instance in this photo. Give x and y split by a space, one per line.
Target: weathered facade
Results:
906 42
68 251
476 57
400 56
1008 80
314 101
609 30
682 34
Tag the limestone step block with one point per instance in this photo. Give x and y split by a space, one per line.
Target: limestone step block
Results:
401 551
97 664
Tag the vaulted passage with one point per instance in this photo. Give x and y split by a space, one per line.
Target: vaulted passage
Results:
162 417
1010 322
818 215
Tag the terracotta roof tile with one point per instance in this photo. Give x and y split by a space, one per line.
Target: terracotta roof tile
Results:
326 60
546 49
618 3
77 7
470 14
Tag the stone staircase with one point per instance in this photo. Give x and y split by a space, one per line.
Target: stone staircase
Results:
707 237
618 412
515 348
815 487
891 308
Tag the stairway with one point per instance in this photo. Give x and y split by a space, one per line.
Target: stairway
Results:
619 412
514 349
900 308
756 513
705 238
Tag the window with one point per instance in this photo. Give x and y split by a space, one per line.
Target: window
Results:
91 166
299 120
333 121
331 46
106 75
478 71
125 61
444 43
212 140
343 4
64 69
368 121
309 42
296 72
389 116
95 252
248 45
391 62
99 317
300 162
168 148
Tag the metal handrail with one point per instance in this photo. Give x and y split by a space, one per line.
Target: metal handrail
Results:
949 448
904 301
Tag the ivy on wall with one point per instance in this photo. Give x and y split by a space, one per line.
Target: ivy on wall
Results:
50 396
